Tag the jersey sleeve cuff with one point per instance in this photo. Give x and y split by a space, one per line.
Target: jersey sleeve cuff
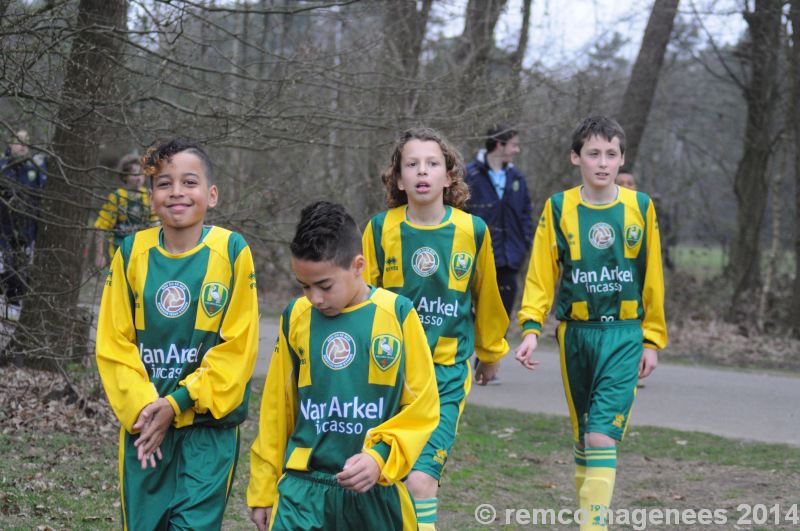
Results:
648 344
180 400
531 327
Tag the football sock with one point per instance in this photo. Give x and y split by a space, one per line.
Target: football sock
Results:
598 487
580 470
426 514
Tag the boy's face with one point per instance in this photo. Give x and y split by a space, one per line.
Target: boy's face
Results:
181 194
508 150
135 179
423 172
599 161
329 286
626 180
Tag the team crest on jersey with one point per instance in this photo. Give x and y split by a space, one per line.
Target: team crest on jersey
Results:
601 235
385 351
213 297
32 175
173 298
338 350
633 235
461 264
425 261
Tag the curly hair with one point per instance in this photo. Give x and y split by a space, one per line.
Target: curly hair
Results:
455 195
164 149
326 232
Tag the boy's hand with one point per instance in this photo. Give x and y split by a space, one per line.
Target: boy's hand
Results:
360 473
260 516
154 421
485 372
524 352
648 363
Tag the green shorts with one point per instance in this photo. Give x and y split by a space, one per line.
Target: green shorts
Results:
454 382
315 500
189 487
600 369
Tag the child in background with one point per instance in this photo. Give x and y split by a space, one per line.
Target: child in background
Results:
177 339
429 250
126 211
350 397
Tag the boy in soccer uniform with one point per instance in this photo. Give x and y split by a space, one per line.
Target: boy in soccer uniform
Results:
429 250
177 341
602 241
350 397
126 211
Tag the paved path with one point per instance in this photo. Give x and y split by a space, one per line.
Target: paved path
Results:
745 405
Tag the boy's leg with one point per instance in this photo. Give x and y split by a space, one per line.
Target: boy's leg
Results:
454 382
207 460
617 352
146 495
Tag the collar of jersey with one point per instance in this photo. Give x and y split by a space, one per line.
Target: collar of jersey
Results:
602 206
360 304
163 250
448 211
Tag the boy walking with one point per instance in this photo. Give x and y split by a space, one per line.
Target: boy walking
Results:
602 241
350 398
177 339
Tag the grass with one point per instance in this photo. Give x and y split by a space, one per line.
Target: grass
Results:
502 457
704 262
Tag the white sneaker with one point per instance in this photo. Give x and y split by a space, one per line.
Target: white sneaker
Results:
12 312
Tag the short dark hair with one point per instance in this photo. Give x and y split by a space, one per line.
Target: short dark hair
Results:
164 149
602 126
499 134
326 232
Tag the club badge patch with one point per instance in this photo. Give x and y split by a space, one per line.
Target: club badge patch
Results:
633 235
601 235
173 298
385 351
461 264
425 261
338 350
213 297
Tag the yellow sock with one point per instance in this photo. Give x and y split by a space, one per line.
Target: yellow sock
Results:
580 470
426 527
598 487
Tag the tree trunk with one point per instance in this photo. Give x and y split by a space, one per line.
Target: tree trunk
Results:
517 58
50 317
750 182
795 121
644 77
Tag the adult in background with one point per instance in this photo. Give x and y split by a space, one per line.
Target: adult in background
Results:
23 177
499 195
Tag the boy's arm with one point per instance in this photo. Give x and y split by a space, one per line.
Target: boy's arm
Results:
491 319
122 372
219 384
107 217
527 217
278 411
397 443
654 325
372 273
543 273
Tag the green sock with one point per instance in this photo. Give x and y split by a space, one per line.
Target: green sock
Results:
426 513
580 470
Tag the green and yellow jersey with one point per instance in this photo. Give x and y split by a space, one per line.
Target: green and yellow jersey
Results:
605 259
448 271
359 381
182 326
125 212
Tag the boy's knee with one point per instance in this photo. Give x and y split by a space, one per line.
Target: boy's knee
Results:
422 485
598 440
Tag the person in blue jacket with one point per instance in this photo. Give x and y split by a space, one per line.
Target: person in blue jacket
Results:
21 182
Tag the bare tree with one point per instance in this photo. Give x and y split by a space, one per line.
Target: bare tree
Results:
642 84
750 182
84 99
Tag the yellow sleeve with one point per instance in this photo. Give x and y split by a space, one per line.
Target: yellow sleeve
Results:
654 323
122 372
218 385
372 273
491 319
397 443
107 217
543 274
275 425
